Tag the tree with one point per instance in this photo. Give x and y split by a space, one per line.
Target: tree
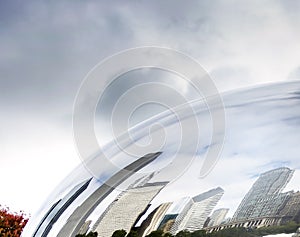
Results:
119 233
156 233
233 232
168 235
11 224
183 233
199 233
132 233
92 234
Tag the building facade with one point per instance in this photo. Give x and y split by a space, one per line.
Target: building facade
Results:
218 216
127 208
195 213
291 210
177 223
83 211
154 219
85 227
265 198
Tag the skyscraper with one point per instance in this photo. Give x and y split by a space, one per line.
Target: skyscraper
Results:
154 219
291 209
125 211
265 197
196 211
218 216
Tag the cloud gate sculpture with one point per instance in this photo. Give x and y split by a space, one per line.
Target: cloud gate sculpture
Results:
162 149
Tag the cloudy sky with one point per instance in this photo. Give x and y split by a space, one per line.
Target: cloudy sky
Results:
47 48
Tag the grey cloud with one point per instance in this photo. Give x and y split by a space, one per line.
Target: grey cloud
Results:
47 48
47 53
295 74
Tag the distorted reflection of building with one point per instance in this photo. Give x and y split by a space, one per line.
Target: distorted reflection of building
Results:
167 222
291 210
177 207
265 199
85 227
83 211
218 216
59 208
196 211
127 208
265 204
154 219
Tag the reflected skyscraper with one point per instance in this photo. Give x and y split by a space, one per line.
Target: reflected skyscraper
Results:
82 212
291 210
196 211
59 208
152 222
125 211
265 197
218 216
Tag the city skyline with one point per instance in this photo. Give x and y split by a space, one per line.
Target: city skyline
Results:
184 207
265 204
248 170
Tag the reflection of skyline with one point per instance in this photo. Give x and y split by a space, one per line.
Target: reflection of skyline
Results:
265 204
196 213
249 145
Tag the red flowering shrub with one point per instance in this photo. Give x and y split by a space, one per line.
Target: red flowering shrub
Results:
11 224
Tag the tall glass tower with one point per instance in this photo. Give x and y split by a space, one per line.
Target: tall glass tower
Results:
265 198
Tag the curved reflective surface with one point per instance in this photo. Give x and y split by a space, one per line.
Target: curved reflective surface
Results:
262 134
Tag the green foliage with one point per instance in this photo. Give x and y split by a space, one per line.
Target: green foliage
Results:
199 233
168 235
159 233
156 233
119 233
183 233
233 232
132 233
243 232
290 227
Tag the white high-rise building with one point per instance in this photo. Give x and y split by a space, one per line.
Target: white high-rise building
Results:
157 217
218 216
123 213
196 211
265 198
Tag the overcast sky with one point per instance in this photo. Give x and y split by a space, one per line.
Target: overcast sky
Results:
47 48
